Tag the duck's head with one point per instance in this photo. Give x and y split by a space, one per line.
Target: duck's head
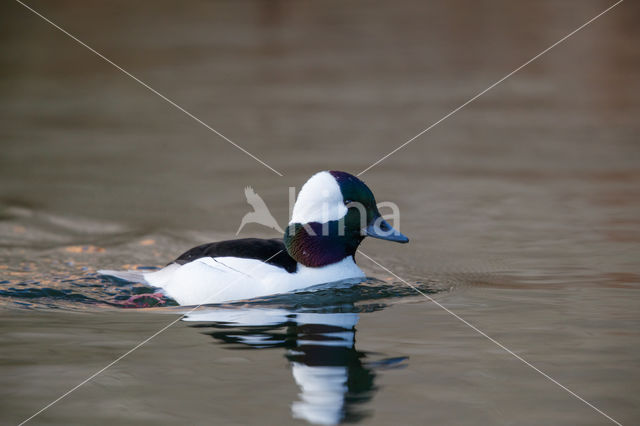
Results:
333 213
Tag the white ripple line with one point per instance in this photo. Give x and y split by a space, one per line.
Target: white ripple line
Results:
431 299
490 87
145 85
97 373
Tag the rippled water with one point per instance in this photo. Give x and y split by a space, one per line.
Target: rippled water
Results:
523 211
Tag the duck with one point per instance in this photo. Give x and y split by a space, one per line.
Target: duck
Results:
333 213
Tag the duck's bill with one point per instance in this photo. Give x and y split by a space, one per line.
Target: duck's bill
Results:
381 229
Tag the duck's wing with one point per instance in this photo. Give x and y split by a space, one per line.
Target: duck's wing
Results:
223 271
271 251
220 272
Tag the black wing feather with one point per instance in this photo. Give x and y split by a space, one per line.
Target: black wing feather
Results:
250 248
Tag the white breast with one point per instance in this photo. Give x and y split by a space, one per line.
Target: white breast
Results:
225 279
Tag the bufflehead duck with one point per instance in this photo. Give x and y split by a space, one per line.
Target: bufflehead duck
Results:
333 213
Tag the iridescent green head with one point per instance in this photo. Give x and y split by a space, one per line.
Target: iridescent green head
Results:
332 215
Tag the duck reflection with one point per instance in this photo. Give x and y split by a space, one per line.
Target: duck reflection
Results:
334 378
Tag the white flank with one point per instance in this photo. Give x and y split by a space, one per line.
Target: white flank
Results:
221 279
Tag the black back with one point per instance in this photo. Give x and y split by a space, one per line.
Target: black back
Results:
249 248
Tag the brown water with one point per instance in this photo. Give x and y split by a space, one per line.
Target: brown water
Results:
523 210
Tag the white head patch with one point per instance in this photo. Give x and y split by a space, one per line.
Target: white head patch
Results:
320 200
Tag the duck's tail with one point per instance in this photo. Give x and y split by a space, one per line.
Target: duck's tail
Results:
156 278
130 276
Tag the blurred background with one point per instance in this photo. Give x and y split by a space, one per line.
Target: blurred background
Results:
524 205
